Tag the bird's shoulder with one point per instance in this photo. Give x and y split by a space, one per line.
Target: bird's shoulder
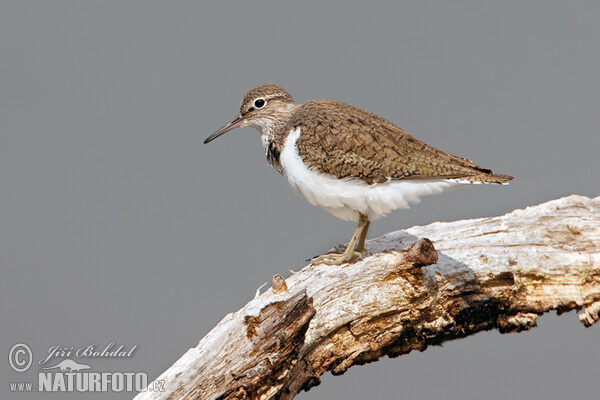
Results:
337 117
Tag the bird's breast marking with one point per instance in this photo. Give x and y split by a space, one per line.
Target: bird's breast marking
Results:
273 156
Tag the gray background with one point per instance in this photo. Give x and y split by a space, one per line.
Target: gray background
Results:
118 224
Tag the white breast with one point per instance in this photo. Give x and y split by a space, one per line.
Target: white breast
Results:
346 198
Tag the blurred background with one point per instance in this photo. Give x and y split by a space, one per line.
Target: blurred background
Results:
119 225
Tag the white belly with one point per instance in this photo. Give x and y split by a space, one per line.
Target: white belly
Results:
347 198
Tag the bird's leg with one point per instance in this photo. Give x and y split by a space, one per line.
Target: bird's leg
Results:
351 253
360 247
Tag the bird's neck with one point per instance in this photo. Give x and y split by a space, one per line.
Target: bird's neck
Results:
274 125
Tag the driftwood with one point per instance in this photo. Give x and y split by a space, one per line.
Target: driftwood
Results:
488 273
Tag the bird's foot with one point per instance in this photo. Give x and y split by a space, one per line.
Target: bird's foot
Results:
336 258
352 252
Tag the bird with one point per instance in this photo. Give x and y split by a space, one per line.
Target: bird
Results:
354 164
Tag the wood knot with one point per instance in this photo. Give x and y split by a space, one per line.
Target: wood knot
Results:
279 284
421 253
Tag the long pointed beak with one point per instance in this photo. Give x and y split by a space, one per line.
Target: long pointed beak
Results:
234 123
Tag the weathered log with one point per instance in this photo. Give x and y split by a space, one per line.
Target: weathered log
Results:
487 273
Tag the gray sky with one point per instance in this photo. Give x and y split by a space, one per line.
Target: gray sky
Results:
118 224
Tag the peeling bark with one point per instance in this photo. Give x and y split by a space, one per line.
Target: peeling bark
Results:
488 273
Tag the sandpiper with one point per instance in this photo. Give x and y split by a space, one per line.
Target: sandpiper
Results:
353 163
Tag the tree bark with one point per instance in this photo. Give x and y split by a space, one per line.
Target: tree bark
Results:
487 273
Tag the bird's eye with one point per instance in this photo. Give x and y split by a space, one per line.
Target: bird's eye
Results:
259 103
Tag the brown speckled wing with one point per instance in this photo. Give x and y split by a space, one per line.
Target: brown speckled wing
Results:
349 142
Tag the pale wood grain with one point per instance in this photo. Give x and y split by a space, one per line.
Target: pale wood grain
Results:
488 273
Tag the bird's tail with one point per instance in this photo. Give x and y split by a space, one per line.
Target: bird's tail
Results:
497 179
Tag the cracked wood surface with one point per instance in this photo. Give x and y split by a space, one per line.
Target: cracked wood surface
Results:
487 273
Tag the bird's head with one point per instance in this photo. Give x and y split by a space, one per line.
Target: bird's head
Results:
264 108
